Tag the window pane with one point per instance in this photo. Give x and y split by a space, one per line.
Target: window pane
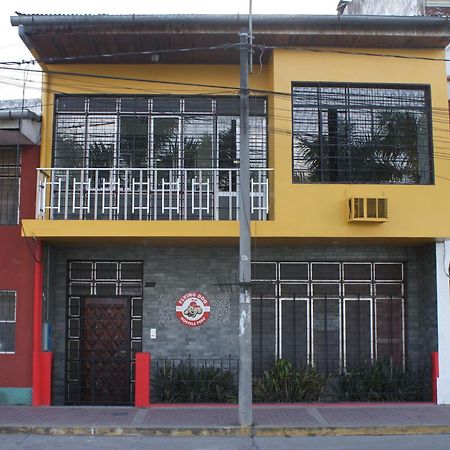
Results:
7 306
71 104
131 271
361 134
166 141
325 271
293 290
134 104
134 148
293 271
357 272
198 142
166 104
228 106
388 272
264 271
326 326
107 104
294 331
106 271
263 334
9 186
358 334
70 141
80 270
389 315
7 321
101 140
257 106
198 105
7 337
9 195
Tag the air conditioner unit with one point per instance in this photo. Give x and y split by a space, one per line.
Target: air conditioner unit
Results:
367 209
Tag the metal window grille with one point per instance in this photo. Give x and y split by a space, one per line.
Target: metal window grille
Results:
7 321
9 186
334 316
145 132
361 133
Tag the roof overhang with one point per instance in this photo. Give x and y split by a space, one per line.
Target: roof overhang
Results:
17 128
88 38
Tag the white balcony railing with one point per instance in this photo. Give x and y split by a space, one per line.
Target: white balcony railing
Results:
147 194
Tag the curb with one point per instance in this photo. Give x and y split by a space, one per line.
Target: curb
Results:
351 431
128 431
227 431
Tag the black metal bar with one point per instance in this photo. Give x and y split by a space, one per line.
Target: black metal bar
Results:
261 335
295 334
359 329
93 382
391 331
326 333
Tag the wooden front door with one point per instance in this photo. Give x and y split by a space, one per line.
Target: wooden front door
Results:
105 359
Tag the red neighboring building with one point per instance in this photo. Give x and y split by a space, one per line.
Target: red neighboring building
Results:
19 157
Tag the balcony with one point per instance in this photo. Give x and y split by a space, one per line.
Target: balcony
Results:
147 194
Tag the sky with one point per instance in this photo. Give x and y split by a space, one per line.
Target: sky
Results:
13 49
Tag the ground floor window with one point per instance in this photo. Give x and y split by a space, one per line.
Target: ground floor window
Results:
334 316
7 321
104 331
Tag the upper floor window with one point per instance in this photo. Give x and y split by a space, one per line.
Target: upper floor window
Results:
155 132
7 321
361 133
9 186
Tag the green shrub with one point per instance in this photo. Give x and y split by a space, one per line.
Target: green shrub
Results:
380 382
185 383
284 383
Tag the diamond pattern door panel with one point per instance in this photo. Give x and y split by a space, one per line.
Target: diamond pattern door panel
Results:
105 344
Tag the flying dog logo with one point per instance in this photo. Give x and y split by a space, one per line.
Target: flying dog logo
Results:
193 309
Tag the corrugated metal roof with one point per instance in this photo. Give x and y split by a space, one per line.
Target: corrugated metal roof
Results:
56 37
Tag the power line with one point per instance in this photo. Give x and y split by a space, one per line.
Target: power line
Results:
226 46
288 95
346 52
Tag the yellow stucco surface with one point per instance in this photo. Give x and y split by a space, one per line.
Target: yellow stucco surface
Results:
297 210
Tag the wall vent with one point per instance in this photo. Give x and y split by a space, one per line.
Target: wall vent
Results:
367 209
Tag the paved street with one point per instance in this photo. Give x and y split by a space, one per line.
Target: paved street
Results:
37 442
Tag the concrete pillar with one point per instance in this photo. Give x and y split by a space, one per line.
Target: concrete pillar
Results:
443 312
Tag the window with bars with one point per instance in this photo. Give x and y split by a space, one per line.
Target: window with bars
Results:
361 133
155 132
9 186
333 315
7 321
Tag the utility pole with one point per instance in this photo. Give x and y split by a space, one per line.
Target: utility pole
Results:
245 311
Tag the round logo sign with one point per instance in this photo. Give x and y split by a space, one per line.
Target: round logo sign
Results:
193 309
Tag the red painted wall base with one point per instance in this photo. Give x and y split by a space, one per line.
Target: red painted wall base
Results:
42 379
142 386
434 375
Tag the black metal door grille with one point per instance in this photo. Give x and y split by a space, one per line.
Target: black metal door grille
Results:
104 331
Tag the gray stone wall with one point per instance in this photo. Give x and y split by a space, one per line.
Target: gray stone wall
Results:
176 271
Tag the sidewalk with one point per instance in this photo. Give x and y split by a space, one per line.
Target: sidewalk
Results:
214 420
